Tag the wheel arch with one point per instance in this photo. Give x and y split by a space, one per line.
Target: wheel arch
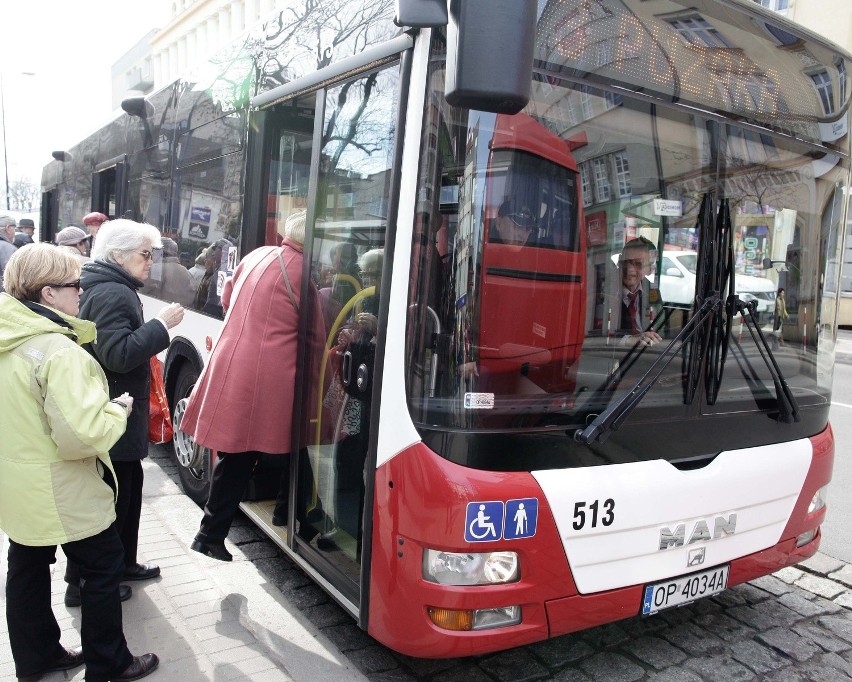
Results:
181 351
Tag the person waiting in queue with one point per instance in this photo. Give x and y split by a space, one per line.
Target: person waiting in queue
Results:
123 256
76 242
57 482
634 319
242 405
93 222
24 233
7 243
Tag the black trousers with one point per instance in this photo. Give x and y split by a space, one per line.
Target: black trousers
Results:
33 630
231 477
227 487
128 509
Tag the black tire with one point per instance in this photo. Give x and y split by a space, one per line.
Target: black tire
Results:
193 461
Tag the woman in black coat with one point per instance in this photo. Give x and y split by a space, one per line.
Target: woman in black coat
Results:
123 256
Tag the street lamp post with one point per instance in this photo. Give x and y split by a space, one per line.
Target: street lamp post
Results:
5 148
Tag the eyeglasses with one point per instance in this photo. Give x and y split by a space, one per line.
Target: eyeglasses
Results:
147 255
522 219
637 263
68 285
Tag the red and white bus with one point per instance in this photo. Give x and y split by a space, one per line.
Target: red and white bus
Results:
496 466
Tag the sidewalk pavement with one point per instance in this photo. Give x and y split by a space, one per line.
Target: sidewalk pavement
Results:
205 619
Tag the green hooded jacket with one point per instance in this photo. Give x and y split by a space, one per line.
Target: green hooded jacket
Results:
57 427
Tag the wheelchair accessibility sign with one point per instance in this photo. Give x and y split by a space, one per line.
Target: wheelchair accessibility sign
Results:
512 520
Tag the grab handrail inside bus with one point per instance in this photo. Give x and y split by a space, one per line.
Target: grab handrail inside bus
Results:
335 327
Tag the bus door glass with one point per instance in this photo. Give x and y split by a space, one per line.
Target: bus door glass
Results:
108 188
347 259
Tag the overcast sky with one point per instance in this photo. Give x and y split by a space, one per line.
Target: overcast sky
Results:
70 46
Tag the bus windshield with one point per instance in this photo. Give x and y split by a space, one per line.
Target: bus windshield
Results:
532 230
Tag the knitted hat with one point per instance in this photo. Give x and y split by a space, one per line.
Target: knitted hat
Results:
70 236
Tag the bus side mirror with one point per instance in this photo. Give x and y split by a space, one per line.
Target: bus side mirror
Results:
485 71
421 13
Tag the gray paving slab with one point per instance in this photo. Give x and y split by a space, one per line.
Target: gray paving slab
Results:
205 620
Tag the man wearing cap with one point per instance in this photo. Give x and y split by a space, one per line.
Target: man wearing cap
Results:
73 240
515 224
7 243
24 233
93 222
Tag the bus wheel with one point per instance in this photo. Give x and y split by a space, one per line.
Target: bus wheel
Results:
193 460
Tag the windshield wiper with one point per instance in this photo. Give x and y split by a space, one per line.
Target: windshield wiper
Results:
788 408
613 417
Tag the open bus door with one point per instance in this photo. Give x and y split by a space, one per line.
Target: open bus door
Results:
532 313
306 153
109 183
49 216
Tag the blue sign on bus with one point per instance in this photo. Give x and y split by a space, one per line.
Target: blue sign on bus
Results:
483 521
521 518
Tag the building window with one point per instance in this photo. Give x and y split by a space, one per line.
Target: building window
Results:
603 191
586 182
613 99
586 102
841 80
696 30
622 174
822 83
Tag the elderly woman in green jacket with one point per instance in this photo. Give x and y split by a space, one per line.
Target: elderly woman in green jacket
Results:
57 485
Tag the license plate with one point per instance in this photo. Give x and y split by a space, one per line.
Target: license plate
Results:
683 590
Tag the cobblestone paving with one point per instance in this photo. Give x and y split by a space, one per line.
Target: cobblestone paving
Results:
793 625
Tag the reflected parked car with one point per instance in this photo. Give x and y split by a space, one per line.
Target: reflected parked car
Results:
677 283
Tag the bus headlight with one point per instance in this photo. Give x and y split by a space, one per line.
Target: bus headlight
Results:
816 504
466 568
818 501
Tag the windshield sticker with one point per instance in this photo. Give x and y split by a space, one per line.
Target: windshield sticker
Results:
479 401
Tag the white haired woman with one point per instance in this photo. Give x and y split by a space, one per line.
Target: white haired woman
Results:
57 485
122 259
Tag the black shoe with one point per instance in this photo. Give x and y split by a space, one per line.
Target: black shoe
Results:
72 594
70 659
279 519
306 531
327 541
140 667
213 550
141 572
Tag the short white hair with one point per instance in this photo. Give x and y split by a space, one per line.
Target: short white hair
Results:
372 260
118 237
294 226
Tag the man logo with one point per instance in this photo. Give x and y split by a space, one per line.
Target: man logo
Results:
700 531
696 556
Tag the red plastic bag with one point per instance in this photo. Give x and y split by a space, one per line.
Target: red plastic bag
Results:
160 428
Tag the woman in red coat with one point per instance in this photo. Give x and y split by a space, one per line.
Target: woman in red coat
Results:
242 405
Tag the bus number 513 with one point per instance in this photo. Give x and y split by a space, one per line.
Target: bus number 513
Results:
606 518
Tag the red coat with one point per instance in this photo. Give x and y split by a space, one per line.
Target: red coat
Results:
244 397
